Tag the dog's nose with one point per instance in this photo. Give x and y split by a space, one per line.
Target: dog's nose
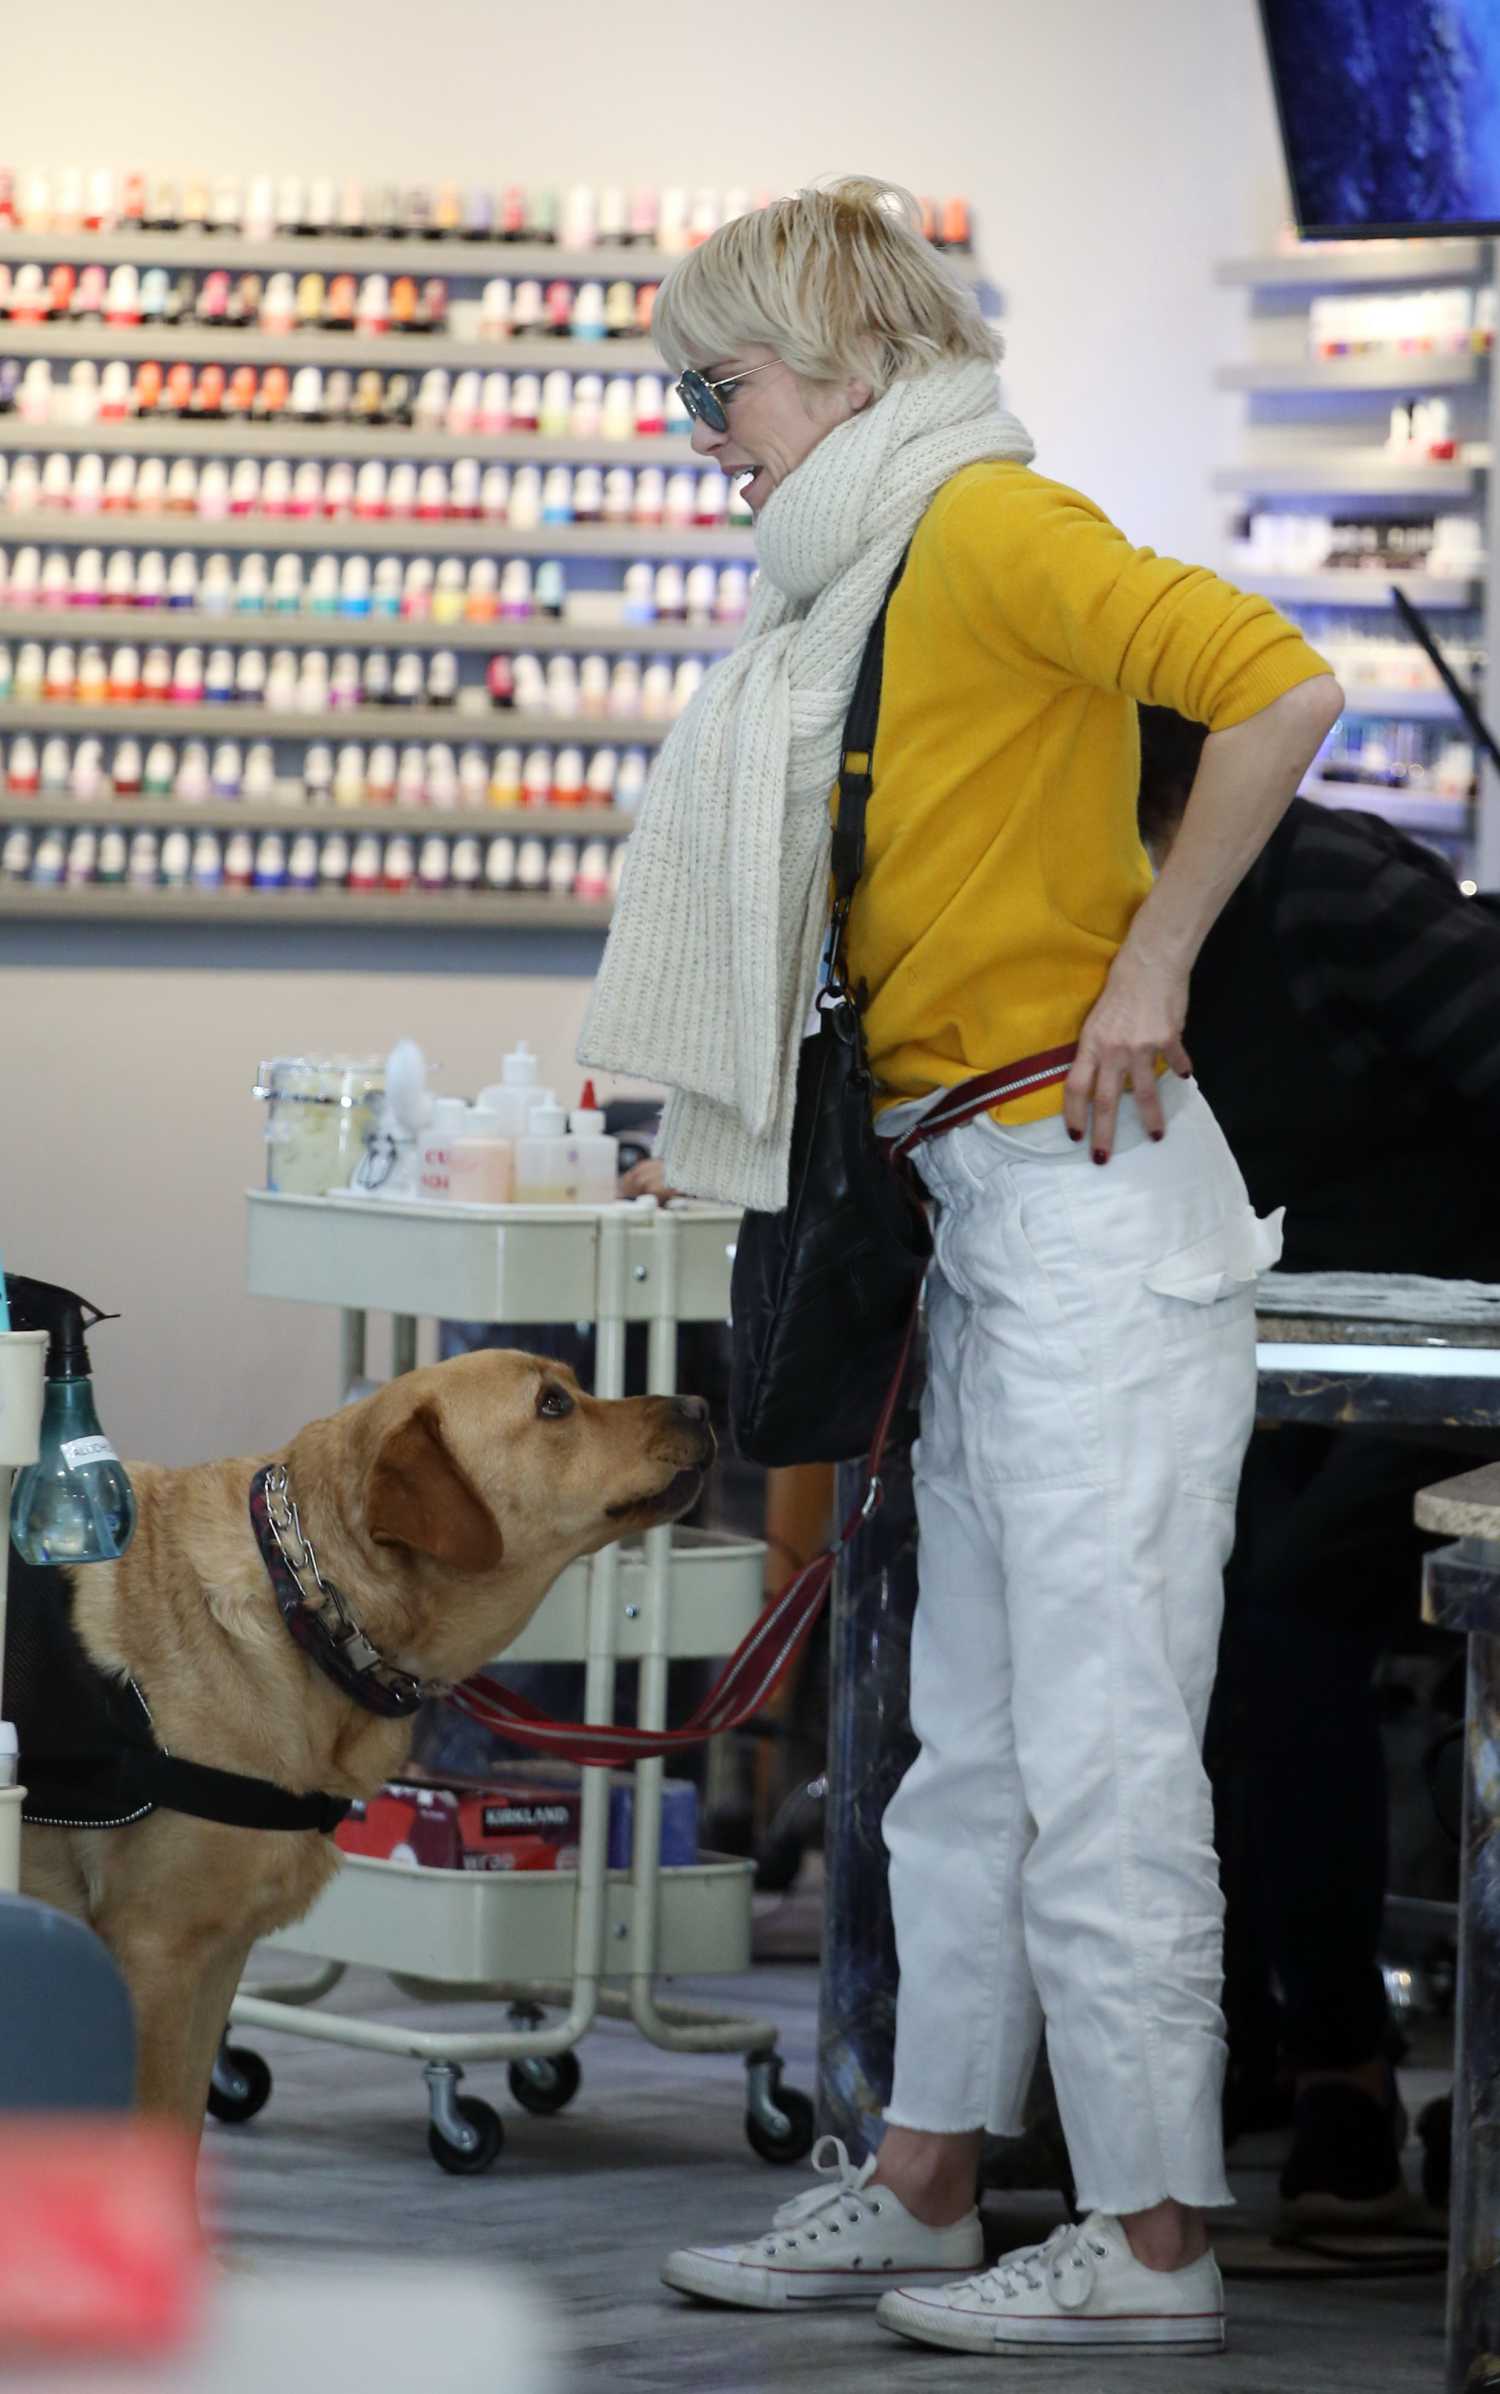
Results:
693 1409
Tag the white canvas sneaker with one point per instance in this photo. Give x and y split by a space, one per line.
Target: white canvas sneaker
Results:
1083 2288
841 2242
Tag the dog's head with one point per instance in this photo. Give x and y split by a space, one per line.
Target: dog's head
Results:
471 1484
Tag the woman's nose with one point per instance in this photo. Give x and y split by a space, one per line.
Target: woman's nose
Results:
705 439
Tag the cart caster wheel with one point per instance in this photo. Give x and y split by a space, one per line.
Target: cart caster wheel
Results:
489 2134
544 2085
793 2142
240 2085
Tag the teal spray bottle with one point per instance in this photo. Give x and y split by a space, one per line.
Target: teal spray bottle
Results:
74 1504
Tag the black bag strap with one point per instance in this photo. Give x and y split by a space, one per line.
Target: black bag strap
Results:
856 772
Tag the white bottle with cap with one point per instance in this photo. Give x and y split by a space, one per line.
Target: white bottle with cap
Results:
511 1098
596 1157
435 1147
481 1161
546 1173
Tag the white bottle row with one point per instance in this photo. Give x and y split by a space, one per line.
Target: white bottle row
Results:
304 860
430 774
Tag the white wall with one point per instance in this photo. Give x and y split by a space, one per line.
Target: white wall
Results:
1112 149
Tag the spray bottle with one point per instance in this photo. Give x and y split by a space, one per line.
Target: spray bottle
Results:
75 1504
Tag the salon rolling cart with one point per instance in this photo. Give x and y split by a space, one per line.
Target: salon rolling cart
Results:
591 1942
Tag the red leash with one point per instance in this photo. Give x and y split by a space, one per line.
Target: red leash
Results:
762 1659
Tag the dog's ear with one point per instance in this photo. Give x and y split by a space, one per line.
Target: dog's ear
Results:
418 1497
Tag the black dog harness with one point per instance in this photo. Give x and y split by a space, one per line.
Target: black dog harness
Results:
89 1754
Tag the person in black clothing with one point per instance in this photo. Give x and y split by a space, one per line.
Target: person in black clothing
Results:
1344 1023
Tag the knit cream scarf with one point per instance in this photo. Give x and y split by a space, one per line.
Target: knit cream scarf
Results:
711 964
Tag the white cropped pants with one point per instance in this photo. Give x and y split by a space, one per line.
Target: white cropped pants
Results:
1090 1394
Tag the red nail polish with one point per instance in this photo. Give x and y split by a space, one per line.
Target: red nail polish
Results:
1100 1156
1158 1137
1074 1135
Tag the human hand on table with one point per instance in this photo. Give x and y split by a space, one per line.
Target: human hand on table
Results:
1139 1016
647 1179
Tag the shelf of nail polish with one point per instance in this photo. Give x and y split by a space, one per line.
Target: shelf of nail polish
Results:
352 532
102 204
456 347
555 782
418 910
491 403
526 497
491 635
221 436
295 812
563 871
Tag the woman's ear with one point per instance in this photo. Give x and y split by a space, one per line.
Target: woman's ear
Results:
417 1497
859 395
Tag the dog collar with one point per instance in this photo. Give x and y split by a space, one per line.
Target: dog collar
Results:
324 1627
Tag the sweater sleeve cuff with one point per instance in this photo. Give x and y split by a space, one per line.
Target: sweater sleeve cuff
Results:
1266 678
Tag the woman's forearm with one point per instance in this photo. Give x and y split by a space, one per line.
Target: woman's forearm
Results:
1246 780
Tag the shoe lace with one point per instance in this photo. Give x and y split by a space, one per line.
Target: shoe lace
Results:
841 2202
1063 2267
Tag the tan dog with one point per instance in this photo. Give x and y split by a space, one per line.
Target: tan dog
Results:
443 1507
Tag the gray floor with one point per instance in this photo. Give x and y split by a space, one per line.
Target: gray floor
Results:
652 2154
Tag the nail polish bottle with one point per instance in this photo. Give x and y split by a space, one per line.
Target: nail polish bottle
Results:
555 411
213 490
302 862
289 205
318 774
710 500
176 859
561 686
557 495
536 778
587 322
954 231
619 311
481 595
56 765
272 394
208 862
118 496
260 774
367 405
473 779
30 672
244 487
494 494
286 585
380 775
732 594
321 206
557 317
527 306
513 213
56 486
278 304
333 862
588 495
401 490
60 672
369 491
385 587
592 694
650 405
213 297
500 864
338 395
160 770
411 777
643 217
99 204
686 682
698 593
580 221
260 209
270 861
496 305
34 393
182 580
544 214
364 865
494 404
61 284
154 685
630 781
432 494
672 224
312 292
240 394
531 865
500 680
526 498
399 869
119 579
610 223
35 212
252 586
372 308
226 770
465 490
141 871
442 777
177 392
218 677
525 403
618 420
343 682
406 680
680 500
528 683
551 588
187 678
377 678
24 767
601 776
461 415
86 588
478 222
516 588
354 586
670 594
209 391
312 682
448 592
403 303
625 689
114 392
307 395
321 592
83 857
307 490
432 307
568 785
30 299
649 503
92 685
52 591
432 864
276 487
617 497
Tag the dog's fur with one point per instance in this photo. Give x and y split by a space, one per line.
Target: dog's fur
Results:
443 1507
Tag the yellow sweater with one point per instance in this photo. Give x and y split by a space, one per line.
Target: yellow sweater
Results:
1003 865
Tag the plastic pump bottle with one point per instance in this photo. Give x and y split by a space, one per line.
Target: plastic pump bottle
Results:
512 1097
74 1504
545 1170
596 1158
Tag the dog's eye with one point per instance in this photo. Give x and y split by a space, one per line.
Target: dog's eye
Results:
554 1404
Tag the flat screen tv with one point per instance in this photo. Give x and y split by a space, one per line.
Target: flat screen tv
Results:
1390 113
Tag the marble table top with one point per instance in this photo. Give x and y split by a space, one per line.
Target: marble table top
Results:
1465 1507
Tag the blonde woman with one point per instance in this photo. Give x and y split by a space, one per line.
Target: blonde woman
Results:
1091 1368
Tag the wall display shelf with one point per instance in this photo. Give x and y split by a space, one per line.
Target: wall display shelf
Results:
1335 374
292 436
1357 587
1353 265
230 720
1413 810
535 634
295 814
329 910
1409 706
1356 473
402 352
383 536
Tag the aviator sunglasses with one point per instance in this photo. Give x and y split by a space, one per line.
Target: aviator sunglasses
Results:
705 400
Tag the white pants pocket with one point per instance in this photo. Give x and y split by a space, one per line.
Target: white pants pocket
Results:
1205 1296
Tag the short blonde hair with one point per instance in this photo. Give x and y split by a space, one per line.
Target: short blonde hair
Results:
838 280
